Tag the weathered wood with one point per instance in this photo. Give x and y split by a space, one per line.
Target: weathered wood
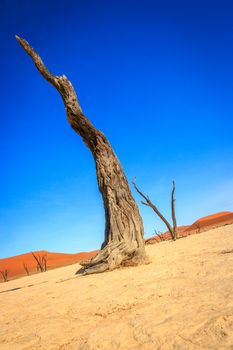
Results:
123 243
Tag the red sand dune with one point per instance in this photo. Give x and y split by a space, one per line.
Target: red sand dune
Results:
203 224
15 264
210 221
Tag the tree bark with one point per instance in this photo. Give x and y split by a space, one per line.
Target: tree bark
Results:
124 242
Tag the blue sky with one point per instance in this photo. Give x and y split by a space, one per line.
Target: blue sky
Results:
154 76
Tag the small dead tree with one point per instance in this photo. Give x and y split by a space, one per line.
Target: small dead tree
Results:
41 262
198 226
26 269
4 274
159 234
44 262
124 242
172 229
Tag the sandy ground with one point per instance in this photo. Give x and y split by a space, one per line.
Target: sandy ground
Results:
183 299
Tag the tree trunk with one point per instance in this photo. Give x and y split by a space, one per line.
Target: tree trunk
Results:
124 242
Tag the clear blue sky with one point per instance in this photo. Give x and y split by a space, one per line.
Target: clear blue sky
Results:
155 76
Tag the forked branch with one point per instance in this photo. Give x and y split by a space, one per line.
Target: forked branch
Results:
172 230
41 262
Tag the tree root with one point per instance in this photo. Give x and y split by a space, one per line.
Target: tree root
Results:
112 257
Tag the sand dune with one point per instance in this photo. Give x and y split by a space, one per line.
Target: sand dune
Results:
181 300
210 221
203 224
15 264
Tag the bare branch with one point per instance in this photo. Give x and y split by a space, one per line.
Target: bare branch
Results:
141 194
150 204
54 80
75 117
26 268
39 262
44 262
145 203
159 234
173 210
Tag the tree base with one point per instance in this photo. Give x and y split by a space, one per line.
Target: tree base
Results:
113 256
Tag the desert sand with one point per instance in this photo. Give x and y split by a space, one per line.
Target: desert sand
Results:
183 299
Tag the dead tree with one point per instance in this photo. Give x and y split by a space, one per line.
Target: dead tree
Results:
44 262
172 229
26 269
4 274
123 243
41 262
159 234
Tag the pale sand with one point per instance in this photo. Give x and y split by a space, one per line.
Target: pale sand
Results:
182 300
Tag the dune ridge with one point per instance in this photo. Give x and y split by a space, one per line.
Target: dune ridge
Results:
203 224
15 264
211 221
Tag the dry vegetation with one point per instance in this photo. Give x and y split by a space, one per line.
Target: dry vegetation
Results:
41 261
4 274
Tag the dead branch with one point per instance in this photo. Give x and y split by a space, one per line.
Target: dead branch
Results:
159 234
44 262
175 232
172 230
41 262
26 269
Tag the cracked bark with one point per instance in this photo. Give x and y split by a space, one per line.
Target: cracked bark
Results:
124 242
